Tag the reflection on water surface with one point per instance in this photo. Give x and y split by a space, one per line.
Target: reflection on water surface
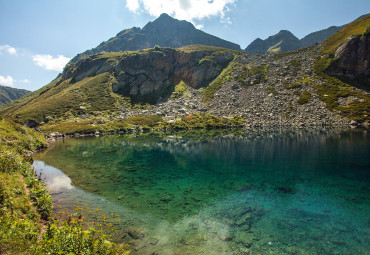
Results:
212 192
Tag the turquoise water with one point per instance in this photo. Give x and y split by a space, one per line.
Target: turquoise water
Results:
213 192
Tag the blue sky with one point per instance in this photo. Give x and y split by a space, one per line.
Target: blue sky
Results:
38 37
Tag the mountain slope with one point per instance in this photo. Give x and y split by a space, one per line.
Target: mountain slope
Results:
281 42
346 54
164 32
8 94
319 36
116 81
293 88
285 41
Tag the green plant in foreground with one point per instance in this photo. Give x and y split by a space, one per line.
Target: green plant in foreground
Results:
73 234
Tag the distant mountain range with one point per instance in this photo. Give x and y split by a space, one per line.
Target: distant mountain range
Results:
285 41
165 31
8 94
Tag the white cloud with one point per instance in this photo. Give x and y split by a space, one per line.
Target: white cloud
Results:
9 49
25 81
51 63
6 81
132 5
183 9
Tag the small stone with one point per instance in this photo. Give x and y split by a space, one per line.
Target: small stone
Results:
55 134
101 121
136 233
154 241
47 119
354 123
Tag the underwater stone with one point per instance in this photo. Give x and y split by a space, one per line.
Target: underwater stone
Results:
136 233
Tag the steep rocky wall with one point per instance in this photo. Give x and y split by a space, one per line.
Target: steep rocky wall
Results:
149 76
352 60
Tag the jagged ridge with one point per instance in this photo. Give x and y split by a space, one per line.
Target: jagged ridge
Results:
165 31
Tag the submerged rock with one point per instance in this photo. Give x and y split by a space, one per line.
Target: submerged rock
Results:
136 233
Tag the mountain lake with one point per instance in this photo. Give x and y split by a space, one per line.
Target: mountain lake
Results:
301 191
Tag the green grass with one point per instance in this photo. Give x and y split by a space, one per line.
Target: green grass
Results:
208 92
25 201
198 47
295 63
359 111
181 89
148 123
94 93
304 98
201 121
293 85
259 72
336 88
326 55
272 90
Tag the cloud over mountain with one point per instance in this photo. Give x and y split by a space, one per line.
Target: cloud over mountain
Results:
6 81
50 63
183 9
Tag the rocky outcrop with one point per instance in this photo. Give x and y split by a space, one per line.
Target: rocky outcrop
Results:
352 60
164 32
149 76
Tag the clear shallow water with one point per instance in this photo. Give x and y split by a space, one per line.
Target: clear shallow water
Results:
211 192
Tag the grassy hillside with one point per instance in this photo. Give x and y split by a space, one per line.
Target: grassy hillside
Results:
67 97
8 94
26 226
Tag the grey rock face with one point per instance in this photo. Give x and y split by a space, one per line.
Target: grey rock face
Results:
150 76
353 60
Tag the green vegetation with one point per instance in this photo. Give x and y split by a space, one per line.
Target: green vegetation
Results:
270 90
8 94
198 47
293 85
181 90
335 88
305 98
226 75
72 233
326 55
295 63
25 201
257 72
153 122
302 81
358 110
93 93
275 48
200 121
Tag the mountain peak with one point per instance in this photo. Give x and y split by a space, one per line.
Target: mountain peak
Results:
165 31
164 16
285 33
165 21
